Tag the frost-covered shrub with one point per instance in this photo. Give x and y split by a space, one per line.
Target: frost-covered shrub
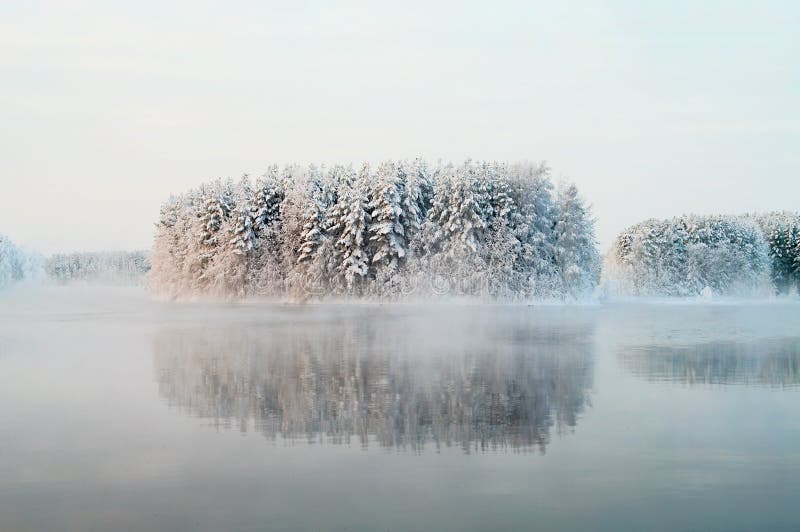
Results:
683 256
396 230
123 267
16 264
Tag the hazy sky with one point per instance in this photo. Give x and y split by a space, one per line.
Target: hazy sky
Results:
653 109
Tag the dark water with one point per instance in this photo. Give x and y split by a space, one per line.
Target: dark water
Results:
117 413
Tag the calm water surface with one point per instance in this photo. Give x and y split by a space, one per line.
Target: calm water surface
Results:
120 413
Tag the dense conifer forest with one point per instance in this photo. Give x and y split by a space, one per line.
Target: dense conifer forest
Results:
395 230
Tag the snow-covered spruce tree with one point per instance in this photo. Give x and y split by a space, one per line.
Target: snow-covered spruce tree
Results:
576 257
313 230
428 241
314 250
387 239
334 217
350 221
417 197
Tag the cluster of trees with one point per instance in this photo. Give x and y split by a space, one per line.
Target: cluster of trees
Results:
367 381
686 255
124 267
782 233
395 230
16 264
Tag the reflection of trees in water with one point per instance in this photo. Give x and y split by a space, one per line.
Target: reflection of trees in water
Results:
396 382
769 362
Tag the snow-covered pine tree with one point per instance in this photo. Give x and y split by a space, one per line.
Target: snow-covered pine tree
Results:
170 247
313 228
460 227
339 180
314 252
500 207
534 222
575 253
417 195
432 234
466 222
267 272
230 267
386 232
211 205
352 230
246 216
217 203
500 245
268 197
291 213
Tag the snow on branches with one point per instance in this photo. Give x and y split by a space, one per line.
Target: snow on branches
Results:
396 230
684 256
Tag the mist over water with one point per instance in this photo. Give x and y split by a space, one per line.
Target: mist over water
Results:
119 412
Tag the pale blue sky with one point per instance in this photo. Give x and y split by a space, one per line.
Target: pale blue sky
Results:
653 108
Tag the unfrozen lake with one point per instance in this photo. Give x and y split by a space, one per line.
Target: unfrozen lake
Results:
121 413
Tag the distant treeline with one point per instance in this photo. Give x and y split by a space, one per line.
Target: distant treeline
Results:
683 256
17 264
399 229
123 267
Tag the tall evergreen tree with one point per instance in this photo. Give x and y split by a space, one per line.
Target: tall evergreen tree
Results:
313 227
576 257
386 232
268 197
417 196
353 223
